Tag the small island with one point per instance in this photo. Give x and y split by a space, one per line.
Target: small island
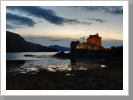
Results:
91 48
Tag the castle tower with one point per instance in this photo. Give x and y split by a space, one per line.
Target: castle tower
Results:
73 45
95 39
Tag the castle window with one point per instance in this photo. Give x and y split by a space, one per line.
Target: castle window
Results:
77 47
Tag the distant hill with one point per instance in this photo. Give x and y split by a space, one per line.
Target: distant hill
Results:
16 43
59 48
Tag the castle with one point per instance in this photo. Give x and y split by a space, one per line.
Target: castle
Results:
93 43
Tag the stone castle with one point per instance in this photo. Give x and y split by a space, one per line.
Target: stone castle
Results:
93 43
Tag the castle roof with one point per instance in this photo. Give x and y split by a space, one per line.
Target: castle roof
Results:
96 35
75 41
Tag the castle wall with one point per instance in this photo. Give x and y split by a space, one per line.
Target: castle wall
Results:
95 40
81 46
89 46
74 45
93 43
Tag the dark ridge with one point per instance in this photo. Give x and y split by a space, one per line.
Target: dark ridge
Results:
59 48
16 43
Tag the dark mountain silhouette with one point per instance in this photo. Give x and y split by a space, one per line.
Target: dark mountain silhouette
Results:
16 43
59 48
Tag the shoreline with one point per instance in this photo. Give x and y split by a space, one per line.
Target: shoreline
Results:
110 78
101 79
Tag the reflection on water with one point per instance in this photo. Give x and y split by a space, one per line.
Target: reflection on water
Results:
49 63
20 55
84 64
103 66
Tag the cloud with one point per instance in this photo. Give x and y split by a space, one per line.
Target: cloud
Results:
8 26
18 20
115 10
75 21
47 14
111 42
46 41
83 38
55 40
97 20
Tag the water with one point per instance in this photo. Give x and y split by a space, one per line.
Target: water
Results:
17 62
20 55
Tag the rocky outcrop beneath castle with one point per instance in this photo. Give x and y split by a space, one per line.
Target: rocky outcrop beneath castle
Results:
116 52
82 55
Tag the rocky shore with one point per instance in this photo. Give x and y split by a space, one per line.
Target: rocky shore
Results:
109 78
106 78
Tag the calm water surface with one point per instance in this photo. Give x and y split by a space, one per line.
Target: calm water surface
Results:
17 62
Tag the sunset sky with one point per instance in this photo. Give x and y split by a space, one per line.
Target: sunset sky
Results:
59 25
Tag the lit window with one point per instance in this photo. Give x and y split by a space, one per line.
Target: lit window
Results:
77 47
